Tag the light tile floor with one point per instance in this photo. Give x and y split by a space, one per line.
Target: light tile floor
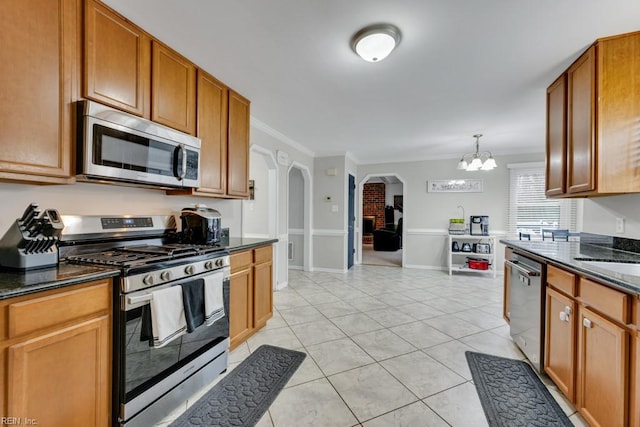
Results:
385 347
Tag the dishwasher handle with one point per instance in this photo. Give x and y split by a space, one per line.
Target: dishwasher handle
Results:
521 269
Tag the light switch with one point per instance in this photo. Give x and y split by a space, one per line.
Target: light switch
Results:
334 208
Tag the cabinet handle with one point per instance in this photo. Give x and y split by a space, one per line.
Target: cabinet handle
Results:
586 322
564 316
567 309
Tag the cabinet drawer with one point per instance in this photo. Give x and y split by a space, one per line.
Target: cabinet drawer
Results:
43 312
561 280
263 254
240 260
610 302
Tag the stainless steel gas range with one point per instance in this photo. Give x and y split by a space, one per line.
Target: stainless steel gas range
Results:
149 382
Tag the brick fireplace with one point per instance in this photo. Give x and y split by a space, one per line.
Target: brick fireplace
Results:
373 202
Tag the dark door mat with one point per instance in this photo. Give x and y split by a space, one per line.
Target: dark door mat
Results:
244 395
512 394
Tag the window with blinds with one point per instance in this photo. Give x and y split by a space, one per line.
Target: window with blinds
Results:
529 210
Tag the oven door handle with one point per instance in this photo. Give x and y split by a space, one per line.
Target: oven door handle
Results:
526 272
140 298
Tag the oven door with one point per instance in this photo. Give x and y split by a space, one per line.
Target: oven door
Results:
145 375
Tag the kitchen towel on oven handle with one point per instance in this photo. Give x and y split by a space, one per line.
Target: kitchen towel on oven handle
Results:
213 298
193 300
167 315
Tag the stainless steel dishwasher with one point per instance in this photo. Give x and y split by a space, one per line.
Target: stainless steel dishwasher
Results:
526 306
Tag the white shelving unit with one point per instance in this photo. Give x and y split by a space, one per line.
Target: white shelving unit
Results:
458 259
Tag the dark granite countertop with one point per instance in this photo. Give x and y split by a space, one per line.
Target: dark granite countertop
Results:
574 256
237 244
16 283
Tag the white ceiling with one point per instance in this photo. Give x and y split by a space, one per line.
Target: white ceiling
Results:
462 67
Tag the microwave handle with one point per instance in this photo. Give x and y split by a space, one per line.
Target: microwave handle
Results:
180 170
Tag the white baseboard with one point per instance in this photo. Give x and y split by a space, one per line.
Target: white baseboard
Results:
426 267
328 270
296 267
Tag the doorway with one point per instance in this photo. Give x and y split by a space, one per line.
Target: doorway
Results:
299 217
381 217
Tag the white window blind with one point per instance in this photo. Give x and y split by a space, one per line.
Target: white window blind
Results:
529 209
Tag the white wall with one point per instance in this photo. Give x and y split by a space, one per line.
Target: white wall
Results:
255 213
329 216
272 141
426 215
600 213
296 216
100 199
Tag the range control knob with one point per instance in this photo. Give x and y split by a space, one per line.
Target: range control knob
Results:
189 269
165 275
220 262
148 280
208 265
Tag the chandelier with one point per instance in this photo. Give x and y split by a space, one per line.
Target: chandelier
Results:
480 160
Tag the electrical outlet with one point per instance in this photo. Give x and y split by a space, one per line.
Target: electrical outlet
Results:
619 225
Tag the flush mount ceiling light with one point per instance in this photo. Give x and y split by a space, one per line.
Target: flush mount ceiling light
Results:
480 160
375 42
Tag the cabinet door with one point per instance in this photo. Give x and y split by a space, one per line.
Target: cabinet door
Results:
618 87
117 61
238 155
581 124
39 70
212 130
240 306
635 405
62 378
556 137
560 341
602 370
173 90
262 293
506 286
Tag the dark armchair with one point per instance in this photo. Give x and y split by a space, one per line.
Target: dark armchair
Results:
388 240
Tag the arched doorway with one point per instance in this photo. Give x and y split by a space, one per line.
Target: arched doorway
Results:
381 217
299 217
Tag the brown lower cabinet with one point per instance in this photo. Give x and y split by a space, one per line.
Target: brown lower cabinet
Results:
506 286
634 411
250 292
560 338
55 356
603 370
587 346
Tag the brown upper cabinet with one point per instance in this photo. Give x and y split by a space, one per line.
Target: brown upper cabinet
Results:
39 70
238 155
173 89
117 61
223 128
127 69
556 182
592 111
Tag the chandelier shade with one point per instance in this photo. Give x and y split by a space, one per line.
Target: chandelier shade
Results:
480 160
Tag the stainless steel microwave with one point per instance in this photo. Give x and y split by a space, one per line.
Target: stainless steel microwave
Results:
117 146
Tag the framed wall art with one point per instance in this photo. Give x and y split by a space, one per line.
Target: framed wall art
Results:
454 186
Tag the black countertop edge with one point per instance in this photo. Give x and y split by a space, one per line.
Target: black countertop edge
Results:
17 283
565 253
237 244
